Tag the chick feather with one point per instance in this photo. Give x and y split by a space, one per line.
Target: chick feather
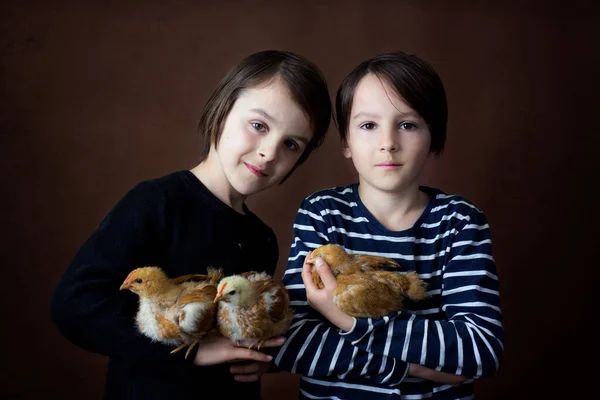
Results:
174 311
252 307
365 285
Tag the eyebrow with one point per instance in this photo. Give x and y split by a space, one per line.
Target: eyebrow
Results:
300 139
372 115
263 113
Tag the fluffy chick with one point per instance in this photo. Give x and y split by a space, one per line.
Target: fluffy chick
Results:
342 262
364 288
178 311
252 307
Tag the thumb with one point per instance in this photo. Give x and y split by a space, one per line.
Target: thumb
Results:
325 273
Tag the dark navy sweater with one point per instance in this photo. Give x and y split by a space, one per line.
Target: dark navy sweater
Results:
173 222
457 329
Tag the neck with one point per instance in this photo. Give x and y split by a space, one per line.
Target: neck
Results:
396 211
159 286
211 174
248 297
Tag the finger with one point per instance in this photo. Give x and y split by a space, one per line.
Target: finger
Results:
251 368
307 277
307 256
247 378
325 273
274 342
247 354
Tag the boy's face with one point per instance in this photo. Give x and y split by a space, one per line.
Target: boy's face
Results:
387 140
264 135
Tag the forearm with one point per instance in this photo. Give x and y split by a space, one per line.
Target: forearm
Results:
419 371
315 349
346 323
449 346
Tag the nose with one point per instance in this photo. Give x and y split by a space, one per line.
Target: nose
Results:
389 140
267 150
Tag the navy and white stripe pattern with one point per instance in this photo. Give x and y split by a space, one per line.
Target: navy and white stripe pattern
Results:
458 329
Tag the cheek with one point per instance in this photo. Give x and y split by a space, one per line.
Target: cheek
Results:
419 146
239 139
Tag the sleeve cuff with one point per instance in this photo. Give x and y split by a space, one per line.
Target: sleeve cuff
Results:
344 333
361 327
400 372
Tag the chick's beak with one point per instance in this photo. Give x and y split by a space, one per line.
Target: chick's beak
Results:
218 297
125 285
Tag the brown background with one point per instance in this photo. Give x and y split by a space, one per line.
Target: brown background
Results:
94 98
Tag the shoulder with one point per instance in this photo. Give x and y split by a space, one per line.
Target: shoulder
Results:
448 206
331 197
173 183
157 186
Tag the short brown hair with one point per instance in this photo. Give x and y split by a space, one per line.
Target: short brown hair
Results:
304 80
414 80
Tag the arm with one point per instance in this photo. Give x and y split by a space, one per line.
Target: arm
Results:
314 347
87 306
470 341
322 300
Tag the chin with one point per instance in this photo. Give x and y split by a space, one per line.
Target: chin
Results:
247 190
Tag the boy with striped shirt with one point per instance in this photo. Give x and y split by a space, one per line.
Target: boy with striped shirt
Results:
391 113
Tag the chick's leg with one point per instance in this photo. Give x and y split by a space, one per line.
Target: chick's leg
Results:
183 346
192 345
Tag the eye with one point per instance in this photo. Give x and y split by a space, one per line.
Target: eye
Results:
232 292
138 280
292 145
409 126
368 126
258 126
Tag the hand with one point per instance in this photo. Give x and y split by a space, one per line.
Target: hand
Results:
429 374
322 299
215 349
249 372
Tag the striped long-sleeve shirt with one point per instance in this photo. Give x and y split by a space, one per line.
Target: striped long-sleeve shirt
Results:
457 329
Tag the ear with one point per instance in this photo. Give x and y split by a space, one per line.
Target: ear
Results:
346 149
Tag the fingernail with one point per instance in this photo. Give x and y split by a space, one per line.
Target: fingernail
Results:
269 358
319 262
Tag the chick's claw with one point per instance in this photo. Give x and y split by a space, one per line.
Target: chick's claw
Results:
190 348
179 348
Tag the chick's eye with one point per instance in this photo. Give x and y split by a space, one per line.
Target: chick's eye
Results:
232 292
258 126
409 126
138 280
368 126
292 145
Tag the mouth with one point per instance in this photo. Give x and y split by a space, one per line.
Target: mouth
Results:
389 165
255 170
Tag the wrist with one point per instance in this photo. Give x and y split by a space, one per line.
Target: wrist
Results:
339 318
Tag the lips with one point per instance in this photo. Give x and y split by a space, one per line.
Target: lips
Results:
389 165
255 170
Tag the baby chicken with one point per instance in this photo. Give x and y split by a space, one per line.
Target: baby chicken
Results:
253 307
364 288
342 262
178 311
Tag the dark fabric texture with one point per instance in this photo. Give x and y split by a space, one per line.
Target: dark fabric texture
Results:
173 222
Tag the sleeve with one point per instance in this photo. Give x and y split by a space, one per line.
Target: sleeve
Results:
470 341
87 306
314 347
